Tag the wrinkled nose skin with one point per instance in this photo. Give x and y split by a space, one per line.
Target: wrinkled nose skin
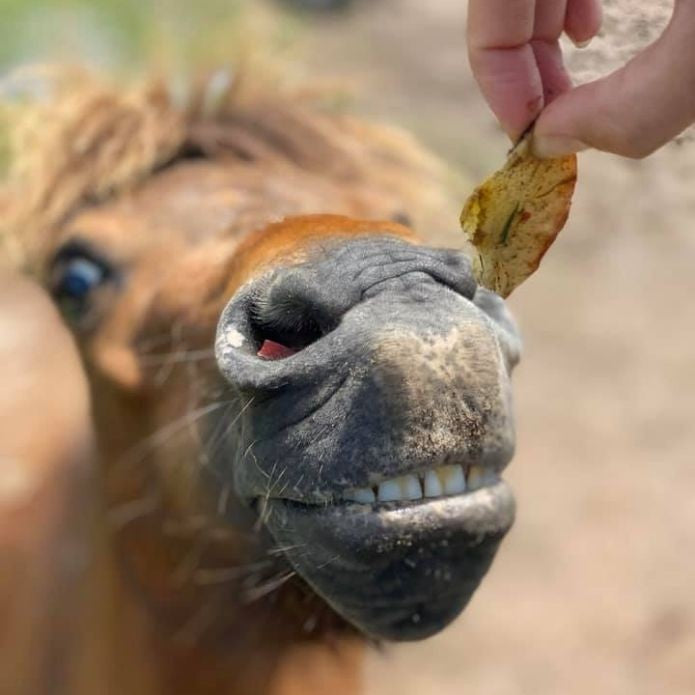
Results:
402 364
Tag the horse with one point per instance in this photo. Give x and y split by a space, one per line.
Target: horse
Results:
301 410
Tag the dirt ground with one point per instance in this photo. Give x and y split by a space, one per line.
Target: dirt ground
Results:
593 589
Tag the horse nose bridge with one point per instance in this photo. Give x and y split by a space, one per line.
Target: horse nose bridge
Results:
319 292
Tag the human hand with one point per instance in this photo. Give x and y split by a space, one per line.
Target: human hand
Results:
515 55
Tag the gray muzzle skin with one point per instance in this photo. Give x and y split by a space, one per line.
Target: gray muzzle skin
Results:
401 366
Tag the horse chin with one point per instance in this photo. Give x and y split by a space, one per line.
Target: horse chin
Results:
397 570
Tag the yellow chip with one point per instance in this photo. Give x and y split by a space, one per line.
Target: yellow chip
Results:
513 217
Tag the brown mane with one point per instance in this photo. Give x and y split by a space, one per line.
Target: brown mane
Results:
86 140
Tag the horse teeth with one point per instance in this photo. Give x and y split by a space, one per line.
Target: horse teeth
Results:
436 482
390 491
363 495
433 486
453 480
410 487
478 477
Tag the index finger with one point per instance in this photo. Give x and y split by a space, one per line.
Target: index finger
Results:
503 62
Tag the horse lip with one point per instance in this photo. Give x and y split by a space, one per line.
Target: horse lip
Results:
400 572
472 509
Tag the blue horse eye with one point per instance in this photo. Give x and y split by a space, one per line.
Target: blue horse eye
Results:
80 275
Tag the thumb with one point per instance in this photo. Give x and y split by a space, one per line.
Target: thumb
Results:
636 109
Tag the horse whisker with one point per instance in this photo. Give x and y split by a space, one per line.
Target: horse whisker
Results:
175 357
137 454
268 587
207 577
124 514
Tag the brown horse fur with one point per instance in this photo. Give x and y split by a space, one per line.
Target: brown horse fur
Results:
189 197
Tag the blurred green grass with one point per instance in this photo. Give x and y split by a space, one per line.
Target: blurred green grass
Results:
127 37
120 34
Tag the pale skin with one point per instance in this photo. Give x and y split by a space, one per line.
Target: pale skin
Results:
515 55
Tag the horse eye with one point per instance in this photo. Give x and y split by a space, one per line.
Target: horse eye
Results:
73 280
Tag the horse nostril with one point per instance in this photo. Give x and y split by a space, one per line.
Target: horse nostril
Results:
270 350
288 314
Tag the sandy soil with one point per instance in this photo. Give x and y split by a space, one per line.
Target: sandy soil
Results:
593 590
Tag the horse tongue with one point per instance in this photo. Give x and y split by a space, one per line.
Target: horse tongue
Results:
270 350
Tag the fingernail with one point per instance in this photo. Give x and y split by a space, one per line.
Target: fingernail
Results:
549 146
581 44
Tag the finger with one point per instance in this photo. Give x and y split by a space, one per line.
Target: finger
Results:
549 19
633 111
503 62
548 25
511 85
551 68
583 20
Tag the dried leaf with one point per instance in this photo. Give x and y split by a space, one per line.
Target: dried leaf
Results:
513 217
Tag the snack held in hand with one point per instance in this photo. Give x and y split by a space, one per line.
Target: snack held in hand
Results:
513 217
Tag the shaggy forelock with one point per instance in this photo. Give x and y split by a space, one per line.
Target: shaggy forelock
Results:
83 140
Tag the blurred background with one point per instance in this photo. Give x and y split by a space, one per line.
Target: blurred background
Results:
593 590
